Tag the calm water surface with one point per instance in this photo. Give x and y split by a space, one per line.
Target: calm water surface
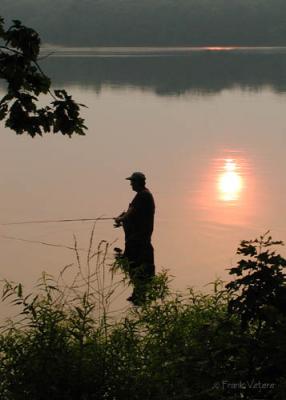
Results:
207 129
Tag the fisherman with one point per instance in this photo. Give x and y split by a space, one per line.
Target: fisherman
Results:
138 222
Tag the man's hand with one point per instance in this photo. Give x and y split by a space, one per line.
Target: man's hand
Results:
117 223
118 220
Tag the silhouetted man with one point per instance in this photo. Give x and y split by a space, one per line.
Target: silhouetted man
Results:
138 222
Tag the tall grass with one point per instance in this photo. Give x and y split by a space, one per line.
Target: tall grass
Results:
67 344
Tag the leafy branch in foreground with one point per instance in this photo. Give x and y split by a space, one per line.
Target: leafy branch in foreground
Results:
19 67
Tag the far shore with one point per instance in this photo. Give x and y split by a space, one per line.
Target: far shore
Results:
57 50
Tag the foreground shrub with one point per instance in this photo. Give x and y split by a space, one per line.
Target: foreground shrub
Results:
174 346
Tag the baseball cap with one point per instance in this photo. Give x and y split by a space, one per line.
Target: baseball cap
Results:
137 176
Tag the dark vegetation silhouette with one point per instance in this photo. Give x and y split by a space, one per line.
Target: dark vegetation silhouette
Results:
26 82
153 22
226 344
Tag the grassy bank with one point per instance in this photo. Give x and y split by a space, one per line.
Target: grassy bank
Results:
229 344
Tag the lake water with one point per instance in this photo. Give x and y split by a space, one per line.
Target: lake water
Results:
206 127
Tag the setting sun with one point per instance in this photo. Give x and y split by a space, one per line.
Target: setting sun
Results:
229 182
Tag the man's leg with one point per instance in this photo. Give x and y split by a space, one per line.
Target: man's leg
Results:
142 271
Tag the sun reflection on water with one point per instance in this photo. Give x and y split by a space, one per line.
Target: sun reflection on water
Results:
226 190
230 182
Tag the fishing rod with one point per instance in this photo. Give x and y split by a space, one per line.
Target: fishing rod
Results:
58 221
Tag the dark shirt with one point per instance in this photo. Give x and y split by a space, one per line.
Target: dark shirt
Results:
139 224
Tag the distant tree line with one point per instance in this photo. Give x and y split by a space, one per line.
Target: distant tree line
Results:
153 22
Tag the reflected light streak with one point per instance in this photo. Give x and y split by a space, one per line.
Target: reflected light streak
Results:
230 182
219 48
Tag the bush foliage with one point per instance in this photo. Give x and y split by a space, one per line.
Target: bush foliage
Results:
227 344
